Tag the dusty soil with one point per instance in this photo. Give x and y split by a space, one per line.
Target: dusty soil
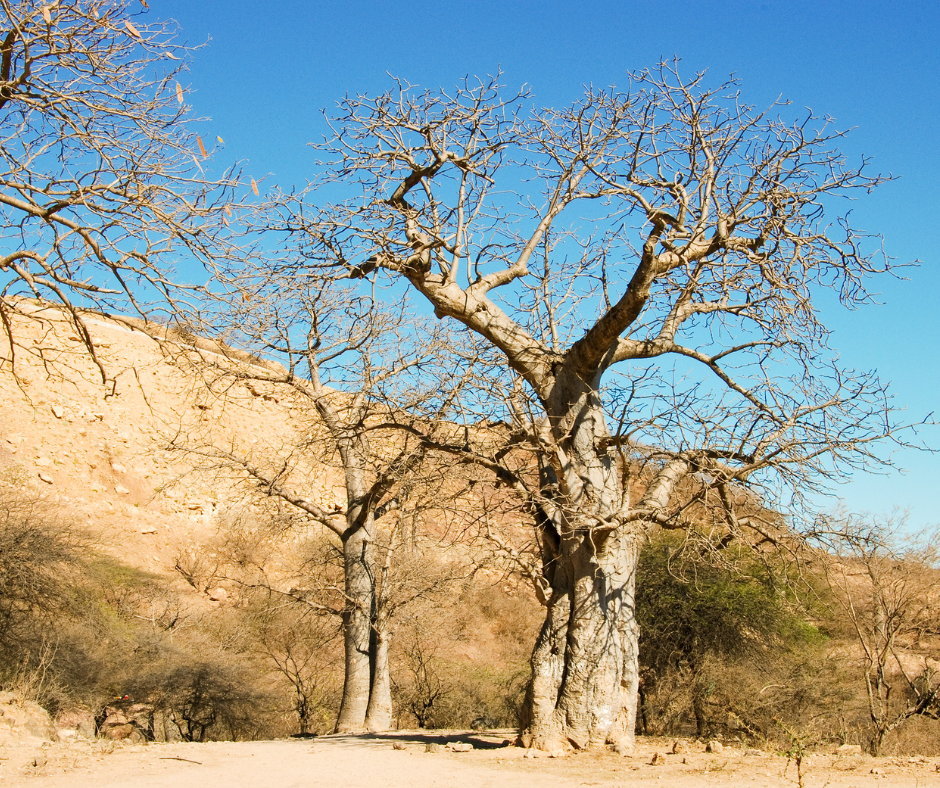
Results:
402 759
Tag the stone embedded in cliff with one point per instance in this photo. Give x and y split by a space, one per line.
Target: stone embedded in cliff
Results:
217 594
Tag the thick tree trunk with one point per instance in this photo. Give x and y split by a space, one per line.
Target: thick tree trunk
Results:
585 671
357 629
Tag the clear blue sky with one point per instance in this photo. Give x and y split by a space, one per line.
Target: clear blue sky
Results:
269 68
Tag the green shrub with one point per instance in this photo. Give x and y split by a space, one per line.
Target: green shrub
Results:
725 647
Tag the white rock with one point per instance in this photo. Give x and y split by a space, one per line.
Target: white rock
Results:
849 749
220 595
461 746
715 747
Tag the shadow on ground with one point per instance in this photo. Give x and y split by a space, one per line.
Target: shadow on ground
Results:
481 740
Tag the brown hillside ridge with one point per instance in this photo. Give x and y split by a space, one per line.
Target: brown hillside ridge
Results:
102 452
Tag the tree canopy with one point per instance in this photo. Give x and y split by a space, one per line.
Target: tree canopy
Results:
101 186
649 264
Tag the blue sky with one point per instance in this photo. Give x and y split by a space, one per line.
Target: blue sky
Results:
268 69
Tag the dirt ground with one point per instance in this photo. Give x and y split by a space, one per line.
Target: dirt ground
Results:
403 759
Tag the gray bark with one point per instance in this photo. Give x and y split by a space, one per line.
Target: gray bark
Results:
357 628
585 671
584 666
379 713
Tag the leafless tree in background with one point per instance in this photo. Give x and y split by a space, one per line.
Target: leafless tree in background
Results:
885 579
368 399
102 189
297 640
648 264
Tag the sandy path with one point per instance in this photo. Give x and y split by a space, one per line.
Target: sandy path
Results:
360 762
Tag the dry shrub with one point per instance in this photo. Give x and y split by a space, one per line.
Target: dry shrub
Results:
467 659
918 736
41 566
205 700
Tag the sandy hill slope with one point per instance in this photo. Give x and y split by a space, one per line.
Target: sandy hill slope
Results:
103 455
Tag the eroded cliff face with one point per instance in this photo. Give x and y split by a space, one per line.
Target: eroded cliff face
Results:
102 454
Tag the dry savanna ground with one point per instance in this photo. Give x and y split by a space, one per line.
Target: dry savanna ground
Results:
425 759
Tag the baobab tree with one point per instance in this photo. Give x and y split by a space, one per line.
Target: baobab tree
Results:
367 404
647 263
103 184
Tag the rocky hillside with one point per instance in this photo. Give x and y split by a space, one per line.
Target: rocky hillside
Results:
142 465
104 453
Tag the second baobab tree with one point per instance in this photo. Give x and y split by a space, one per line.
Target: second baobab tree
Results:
365 402
668 234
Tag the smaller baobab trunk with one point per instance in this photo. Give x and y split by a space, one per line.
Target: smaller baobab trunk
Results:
373 403
379 712
367 696
357 626
366 703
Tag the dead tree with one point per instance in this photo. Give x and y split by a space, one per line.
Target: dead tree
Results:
103 186
668 232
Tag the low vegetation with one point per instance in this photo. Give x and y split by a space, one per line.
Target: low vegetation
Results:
732 647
